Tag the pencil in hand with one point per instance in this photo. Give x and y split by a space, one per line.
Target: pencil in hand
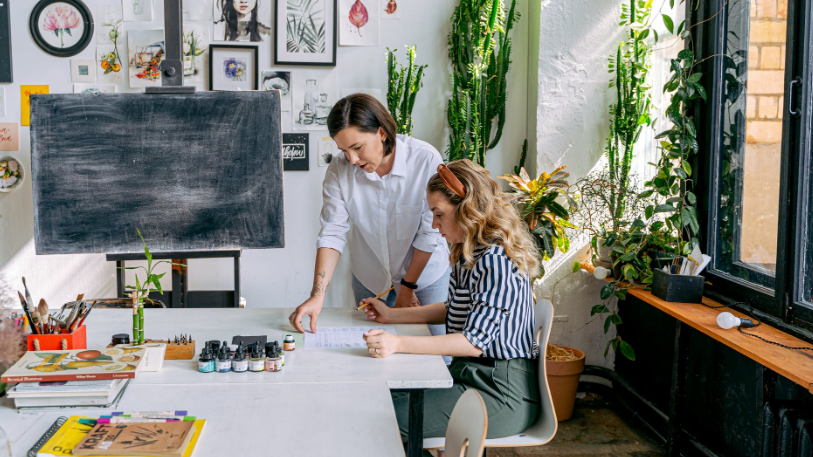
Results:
376 298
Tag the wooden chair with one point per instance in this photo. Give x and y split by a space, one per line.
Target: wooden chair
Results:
467 427
543 430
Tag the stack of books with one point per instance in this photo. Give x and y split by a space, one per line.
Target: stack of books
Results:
72 379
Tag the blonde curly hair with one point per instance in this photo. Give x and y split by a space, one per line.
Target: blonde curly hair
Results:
487 218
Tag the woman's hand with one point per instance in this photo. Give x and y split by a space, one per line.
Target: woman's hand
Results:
378 311
311 307
381 344
406 298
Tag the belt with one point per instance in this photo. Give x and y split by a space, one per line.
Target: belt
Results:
488 361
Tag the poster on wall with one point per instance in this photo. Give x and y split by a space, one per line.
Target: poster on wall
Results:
359 22
295 155
327 150
305 32
108 23
145 49
315 93
109 67
9 137
25 102
278 80
242 20
137 10
390 9
197 10
195 52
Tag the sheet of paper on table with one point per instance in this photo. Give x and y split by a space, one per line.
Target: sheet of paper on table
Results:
340 337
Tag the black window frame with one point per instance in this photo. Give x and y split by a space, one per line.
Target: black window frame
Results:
780 307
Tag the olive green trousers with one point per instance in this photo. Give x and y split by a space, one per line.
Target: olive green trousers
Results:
509 389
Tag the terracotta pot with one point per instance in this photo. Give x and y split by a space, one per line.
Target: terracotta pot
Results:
604 252
563 379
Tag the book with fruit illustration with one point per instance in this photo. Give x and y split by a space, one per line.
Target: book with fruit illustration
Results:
75 365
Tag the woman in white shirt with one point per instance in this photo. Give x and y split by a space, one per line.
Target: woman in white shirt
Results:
378 185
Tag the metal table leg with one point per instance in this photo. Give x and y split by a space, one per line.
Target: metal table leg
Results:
415 440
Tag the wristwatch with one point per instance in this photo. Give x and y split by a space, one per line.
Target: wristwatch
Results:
409 285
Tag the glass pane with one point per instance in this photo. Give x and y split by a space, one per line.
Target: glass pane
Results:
807 240
748 207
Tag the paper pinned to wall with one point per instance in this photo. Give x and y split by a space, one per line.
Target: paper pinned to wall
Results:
341 337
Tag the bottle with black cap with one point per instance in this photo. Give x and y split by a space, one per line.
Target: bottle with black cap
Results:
206 363
224 360
239 363
256 361
121 338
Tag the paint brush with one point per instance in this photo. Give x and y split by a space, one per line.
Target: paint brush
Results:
90 308
28 300
376 298
27 313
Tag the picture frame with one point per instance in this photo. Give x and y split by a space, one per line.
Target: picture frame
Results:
317 49
295 151
83 70
62 28
233 67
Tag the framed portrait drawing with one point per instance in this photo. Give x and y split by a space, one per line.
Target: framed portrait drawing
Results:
62 28
233 67
305 32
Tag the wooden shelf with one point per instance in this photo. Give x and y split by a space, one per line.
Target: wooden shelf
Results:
794 365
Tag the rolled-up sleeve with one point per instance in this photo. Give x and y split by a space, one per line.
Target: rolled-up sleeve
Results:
334 218
490 298
427 238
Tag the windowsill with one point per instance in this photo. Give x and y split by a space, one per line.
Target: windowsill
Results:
794 365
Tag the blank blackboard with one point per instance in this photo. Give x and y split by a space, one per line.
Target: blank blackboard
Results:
192 172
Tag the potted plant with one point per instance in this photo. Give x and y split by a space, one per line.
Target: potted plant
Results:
564 366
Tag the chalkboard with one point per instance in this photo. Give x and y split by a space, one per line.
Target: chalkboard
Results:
191 171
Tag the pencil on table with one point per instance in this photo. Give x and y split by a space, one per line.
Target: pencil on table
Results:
376 298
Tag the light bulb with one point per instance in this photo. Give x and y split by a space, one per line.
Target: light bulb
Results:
601 272
727 320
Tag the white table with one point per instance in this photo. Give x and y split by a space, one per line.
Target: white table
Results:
338 373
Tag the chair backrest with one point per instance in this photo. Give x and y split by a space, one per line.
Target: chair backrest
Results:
467 426
546 425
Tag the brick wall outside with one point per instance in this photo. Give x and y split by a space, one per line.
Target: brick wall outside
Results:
765 89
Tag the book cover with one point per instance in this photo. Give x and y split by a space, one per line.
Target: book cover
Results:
163 439
75 365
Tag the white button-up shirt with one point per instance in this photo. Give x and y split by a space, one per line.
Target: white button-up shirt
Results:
390 216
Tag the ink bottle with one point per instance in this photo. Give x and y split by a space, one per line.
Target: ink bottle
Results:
224 360
206 363
239 363
256 362
233 349
288 343
272 360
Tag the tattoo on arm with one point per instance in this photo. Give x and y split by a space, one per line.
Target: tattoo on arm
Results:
319 285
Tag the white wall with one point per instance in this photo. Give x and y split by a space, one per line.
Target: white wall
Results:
270 278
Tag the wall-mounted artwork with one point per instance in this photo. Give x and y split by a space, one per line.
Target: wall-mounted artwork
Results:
295 155
25 102
12 172
9 136
145 50
83 70
137 10
2 101
61 28
390 9
327 149
315 93
94 88
197 10
305 32
359 22
195 47
242 20
108 23
109 66
233 67
6 75
278 80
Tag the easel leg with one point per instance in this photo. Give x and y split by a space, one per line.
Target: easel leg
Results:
415 439
237 282
120 278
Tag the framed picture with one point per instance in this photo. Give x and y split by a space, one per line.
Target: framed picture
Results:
232 67
83 70
305 32
62 28
295 155
242 20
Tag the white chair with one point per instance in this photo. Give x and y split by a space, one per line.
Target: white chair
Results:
467 427
543 430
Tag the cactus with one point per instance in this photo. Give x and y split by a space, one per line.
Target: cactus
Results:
480 52
402 86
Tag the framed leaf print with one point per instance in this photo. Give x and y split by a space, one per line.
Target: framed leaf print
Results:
305 32
62 28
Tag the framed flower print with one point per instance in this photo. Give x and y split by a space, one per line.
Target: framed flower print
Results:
62 28
233 67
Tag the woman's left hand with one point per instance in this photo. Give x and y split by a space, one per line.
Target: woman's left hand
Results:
381 344
406 298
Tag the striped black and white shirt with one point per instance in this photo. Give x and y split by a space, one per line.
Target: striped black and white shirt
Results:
492 305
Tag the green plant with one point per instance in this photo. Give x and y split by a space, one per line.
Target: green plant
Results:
480 53
302 32
546 218
402 86
142 290
191 48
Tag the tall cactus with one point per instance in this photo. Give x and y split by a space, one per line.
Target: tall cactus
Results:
480 52
402 87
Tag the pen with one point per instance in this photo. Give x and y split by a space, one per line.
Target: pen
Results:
376 298
148 413
132 420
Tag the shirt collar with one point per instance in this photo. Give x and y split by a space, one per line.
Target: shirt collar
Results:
399 166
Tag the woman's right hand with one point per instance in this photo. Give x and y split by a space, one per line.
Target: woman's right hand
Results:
378 311
311 307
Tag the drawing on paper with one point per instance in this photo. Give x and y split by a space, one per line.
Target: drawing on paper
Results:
137 10
197 10
108 65
61 25
109 18
390 9
9 141
242 20
281 81
359 22
26 91
305 24
195 45
327 148
314 96
146 51
234 69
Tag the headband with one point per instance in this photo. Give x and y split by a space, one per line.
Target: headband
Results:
451 180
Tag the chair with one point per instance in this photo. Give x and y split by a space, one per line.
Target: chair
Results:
467 427
543 430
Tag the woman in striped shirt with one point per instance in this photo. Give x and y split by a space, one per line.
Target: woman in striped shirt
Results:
488 314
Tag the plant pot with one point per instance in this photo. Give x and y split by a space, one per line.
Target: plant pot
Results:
563 379
677 288
604 252
661 259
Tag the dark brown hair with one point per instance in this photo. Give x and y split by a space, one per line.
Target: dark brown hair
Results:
365 113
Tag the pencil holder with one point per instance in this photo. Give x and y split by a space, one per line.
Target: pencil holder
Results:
59 341
677 288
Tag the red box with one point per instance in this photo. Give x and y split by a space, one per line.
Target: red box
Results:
75 340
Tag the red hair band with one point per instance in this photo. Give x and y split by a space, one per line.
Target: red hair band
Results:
451 180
